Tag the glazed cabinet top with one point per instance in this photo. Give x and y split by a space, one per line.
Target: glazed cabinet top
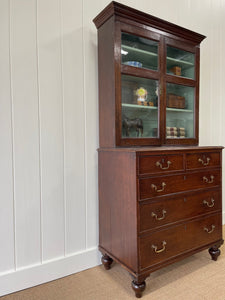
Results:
148 79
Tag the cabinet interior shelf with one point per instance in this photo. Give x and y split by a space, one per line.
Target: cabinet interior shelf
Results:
137 50
155 108
179 110
146 54
139 106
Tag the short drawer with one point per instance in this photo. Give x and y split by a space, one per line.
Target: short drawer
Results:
202 160
160 164
165 244
169 210
158 186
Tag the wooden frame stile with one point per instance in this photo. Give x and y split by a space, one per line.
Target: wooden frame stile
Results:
162 90
117 51
197 78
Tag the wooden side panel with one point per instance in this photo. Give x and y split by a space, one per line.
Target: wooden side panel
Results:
106 84
117 204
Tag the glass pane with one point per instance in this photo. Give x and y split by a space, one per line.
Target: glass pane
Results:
139 52
139 107
180 63
180 111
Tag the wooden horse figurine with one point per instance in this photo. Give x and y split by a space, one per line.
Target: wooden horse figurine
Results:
137 124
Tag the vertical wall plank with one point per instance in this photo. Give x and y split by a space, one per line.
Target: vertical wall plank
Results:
72 76
221 75
211 54
208 79
51 124
25 120
90 10
216 100
6 171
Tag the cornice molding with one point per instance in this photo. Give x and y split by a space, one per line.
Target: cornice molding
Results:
118 9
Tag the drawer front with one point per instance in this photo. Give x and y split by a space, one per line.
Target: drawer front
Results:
165 244
202 160
160 164
167 211
158 186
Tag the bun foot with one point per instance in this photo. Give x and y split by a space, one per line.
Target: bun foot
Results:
138 288
214 252
106 261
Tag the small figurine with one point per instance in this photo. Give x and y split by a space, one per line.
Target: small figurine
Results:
142 96
133 123
176 70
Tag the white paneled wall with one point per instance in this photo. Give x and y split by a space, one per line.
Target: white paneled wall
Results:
49 127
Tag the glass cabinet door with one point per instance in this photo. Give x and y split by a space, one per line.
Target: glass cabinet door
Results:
139 52
180 105
180 62
141 78
139 107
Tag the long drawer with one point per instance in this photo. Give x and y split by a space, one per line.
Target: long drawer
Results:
168 184
165 244
173 209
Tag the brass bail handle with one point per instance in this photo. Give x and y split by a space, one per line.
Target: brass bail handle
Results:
203 162
160 250
210 231
154 187
154 215
159 164
207 203
205 179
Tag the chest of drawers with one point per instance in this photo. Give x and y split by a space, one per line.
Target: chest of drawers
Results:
157 206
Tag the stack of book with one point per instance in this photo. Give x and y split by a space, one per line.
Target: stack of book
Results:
175 132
